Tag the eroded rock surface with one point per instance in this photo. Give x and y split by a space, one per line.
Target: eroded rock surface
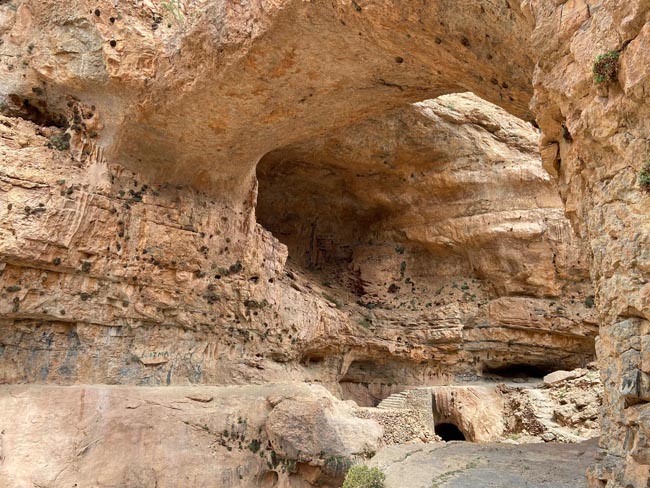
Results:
397 212
565 411
595 139
208 436
110 279
242 75
159 274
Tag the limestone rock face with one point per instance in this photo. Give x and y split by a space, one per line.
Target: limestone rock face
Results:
438 215
328 433
208 436
595 140
110 279
135 136
195 92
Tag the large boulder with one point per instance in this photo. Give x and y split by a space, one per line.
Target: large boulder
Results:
177 436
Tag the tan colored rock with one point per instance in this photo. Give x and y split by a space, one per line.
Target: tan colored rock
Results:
130 282
513 412
601 154
194 96
477 411
389 210
560 376
130 436
306 428
241 75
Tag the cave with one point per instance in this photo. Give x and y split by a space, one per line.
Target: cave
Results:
518 371
396 217
313 207
449 432
413 244
341 208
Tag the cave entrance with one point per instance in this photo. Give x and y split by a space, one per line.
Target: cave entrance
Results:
346 204
518 371
449 432
309 206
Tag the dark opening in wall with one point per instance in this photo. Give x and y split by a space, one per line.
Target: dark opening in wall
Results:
449 432
521 371
309 205
34 110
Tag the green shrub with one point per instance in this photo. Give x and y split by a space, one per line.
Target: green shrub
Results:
644 176
60 141
605 67
361 476
174 8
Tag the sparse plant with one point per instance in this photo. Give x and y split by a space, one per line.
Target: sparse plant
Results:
255 303
589 301
361 476
644 176
365 323
235 268
338 466
254 445
174 8
605 67
60 142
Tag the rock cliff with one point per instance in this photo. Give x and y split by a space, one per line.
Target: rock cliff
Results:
595 140
110 279
218 193
208 436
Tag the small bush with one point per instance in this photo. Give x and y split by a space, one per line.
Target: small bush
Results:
605 67
60 142
361 476
644 176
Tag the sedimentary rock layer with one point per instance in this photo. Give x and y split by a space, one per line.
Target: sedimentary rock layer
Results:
110 279
196 92
134 276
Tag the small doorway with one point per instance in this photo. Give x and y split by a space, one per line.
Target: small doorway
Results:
449 432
